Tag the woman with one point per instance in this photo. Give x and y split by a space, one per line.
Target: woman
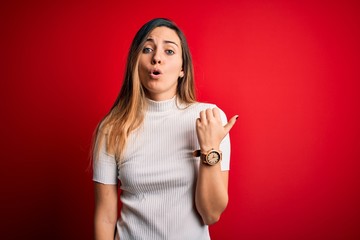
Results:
148 143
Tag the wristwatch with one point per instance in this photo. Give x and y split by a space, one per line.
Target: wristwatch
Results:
211 158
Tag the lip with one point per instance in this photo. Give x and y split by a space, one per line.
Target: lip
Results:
155 76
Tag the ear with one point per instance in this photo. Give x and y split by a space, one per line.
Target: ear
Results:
181 75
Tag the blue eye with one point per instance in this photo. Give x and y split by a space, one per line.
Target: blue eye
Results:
147 50
169 52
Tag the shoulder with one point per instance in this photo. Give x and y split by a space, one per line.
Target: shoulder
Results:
201 106
205 105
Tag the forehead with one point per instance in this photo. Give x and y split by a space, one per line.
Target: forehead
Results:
164 34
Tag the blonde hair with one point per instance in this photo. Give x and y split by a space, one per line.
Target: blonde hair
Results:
127 113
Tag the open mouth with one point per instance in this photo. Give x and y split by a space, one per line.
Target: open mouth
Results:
156 71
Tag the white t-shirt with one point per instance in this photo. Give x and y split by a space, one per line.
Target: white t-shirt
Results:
158 174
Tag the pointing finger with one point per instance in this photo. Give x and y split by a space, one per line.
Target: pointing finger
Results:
231 123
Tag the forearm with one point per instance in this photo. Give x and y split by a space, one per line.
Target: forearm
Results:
211 195
106 208
104 228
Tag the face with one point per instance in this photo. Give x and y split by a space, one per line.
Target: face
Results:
160 64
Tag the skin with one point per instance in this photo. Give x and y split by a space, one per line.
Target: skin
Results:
211 196
162 53
106 208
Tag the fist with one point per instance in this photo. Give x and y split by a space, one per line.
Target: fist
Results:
209 129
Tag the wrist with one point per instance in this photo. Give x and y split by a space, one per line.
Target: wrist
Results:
211 157
205 149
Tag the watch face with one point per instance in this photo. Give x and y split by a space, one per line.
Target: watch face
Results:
213 157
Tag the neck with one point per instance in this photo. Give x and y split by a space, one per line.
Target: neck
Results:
162 106
160 97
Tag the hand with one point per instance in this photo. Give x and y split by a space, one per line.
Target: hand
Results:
209 129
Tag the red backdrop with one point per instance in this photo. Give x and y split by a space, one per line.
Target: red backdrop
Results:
289 69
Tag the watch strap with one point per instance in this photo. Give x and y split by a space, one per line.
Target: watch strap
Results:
197 153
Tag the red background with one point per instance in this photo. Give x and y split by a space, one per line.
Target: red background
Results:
289 69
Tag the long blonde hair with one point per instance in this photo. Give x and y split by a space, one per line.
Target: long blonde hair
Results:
127 113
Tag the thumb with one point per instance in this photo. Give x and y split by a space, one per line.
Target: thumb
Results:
231 123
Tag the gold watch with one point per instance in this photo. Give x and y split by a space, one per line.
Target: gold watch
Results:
212 157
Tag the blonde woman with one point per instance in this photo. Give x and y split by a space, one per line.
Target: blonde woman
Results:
169 154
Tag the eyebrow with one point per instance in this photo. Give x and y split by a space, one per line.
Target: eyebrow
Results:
165 41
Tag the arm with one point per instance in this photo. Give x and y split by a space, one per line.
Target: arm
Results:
106 208
211 195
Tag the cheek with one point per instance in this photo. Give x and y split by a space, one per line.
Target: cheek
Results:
144 59
142 67
177 66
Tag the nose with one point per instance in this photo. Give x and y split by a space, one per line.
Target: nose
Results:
156 58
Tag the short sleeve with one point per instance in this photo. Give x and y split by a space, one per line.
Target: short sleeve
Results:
225 146
104 167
